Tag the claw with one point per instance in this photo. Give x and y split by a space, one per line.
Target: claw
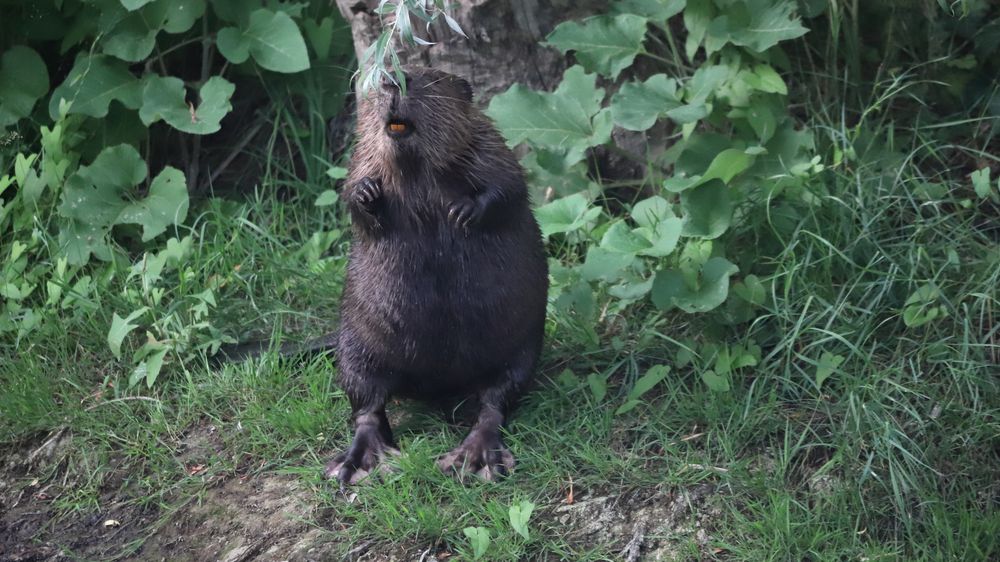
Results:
366 192
367 453
464 213
481 454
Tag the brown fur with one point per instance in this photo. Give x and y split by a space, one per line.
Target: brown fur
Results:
447 278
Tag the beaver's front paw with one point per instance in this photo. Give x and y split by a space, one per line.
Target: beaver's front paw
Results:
366 193
465 212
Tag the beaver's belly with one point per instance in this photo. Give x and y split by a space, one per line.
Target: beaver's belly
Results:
441 314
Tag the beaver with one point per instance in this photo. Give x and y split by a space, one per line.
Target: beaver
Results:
447 278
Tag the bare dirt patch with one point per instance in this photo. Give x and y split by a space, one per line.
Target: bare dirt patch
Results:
272 517
642 524
259 518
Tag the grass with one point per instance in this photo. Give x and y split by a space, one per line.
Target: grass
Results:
895 456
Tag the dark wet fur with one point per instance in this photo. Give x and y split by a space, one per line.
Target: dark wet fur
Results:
447 278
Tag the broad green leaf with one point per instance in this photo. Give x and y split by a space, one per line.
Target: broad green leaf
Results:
132 5
638 105
677 184
687 113
631 287
728 360
699 151
744 357
657 10
598 386
920 307
271 38
320 36
166 204
131 36
327 198
567 379
181 15
94 200
603 44
153 364
519 515
479 538
92 194
762 120
150 357
649 212
751 290
715 382
566 214
120 327
697 17
770 22
981 182
727 164
232 11
708 211
233 45
646 382
662 237
755 24
620 238
24 79
570 119
766 79
336 172
627 406
828 363
164 98
704 83
92 83
670 288
605 265
22 166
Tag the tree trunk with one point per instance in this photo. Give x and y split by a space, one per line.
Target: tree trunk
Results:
502 47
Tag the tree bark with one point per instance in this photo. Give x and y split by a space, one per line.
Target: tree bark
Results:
502 47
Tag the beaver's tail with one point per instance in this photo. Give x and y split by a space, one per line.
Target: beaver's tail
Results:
234 353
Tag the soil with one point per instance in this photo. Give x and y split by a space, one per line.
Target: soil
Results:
270 517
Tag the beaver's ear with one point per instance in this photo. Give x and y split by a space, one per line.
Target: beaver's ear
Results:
464 88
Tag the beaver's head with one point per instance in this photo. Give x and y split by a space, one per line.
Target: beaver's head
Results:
429 124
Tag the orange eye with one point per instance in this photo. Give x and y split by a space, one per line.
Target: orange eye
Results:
397 127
